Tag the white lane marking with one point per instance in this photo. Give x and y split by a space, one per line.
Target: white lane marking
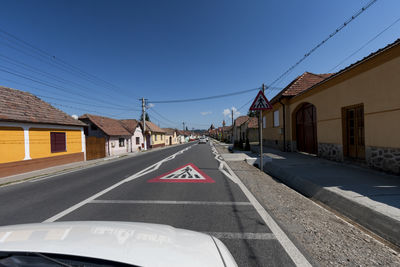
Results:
293 252
4 237
171 202
130 178
254 236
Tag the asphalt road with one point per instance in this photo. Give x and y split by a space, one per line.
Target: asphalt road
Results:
113 192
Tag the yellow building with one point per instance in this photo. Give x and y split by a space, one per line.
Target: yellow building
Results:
35 135
170 136
155 136
352 115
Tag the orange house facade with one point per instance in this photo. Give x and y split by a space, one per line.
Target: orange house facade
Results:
35 135
352 115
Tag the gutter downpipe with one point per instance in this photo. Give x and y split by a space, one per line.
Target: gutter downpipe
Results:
284 124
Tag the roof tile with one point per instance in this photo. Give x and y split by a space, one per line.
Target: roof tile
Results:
109 126
20 106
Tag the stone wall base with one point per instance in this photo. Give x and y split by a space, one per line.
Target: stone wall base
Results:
330 151
383 158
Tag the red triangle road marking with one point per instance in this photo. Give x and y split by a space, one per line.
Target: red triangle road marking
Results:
188 173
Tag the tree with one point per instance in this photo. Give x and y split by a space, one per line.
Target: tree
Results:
187 128
147 117
252 113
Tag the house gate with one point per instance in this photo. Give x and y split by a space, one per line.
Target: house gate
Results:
95 147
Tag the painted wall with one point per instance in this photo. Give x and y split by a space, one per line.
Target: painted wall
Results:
270 132
174 139
26 146
138 133
376 85
115 149
160 139
40 147
12 144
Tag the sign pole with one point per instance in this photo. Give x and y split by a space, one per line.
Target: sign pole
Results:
261 145
260 103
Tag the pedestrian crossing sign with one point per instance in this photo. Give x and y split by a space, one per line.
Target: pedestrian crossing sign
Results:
260 102
188 173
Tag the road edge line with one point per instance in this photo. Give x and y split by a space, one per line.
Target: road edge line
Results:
294 253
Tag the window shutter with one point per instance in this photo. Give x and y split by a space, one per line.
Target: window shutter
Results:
58 142
53 142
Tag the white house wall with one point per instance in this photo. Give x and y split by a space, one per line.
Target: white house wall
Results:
138 133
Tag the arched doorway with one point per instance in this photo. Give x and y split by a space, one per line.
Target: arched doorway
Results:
306 129
170 140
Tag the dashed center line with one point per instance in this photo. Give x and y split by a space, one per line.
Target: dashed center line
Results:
171 202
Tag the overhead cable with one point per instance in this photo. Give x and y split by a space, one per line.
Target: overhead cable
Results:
61 63
364 45
347 22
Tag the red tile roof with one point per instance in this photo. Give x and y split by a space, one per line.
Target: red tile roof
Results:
130 125
303 82
253 122
240 120
19 106
169 131
152 127
300 84
109 126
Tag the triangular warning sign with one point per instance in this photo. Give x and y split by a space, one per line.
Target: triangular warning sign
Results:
185 174
260 102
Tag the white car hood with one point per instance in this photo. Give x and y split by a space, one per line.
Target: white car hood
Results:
140 244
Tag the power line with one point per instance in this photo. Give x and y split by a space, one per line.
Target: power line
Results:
45 83
162 120
174 122
163 116
86 104
326 39
48 56
71 100
367 43
88 110
204 98
44 73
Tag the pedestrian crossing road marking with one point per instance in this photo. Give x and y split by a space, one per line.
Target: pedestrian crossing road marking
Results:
185 174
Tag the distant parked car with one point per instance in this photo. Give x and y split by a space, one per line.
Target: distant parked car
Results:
202 141
109 244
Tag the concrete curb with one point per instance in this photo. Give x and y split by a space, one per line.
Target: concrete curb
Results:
382 225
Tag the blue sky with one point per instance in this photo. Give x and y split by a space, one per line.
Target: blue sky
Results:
165 50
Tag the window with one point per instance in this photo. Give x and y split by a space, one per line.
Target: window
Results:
138 140
57 142
276 118
264 122
121 142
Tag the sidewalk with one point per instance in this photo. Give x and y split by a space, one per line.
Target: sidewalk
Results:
70 167
370 198
317 232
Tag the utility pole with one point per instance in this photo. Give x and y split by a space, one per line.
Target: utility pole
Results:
260 125
232 116
144 122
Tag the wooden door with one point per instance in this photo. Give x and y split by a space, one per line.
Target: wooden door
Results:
354 140
95 147
306 129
